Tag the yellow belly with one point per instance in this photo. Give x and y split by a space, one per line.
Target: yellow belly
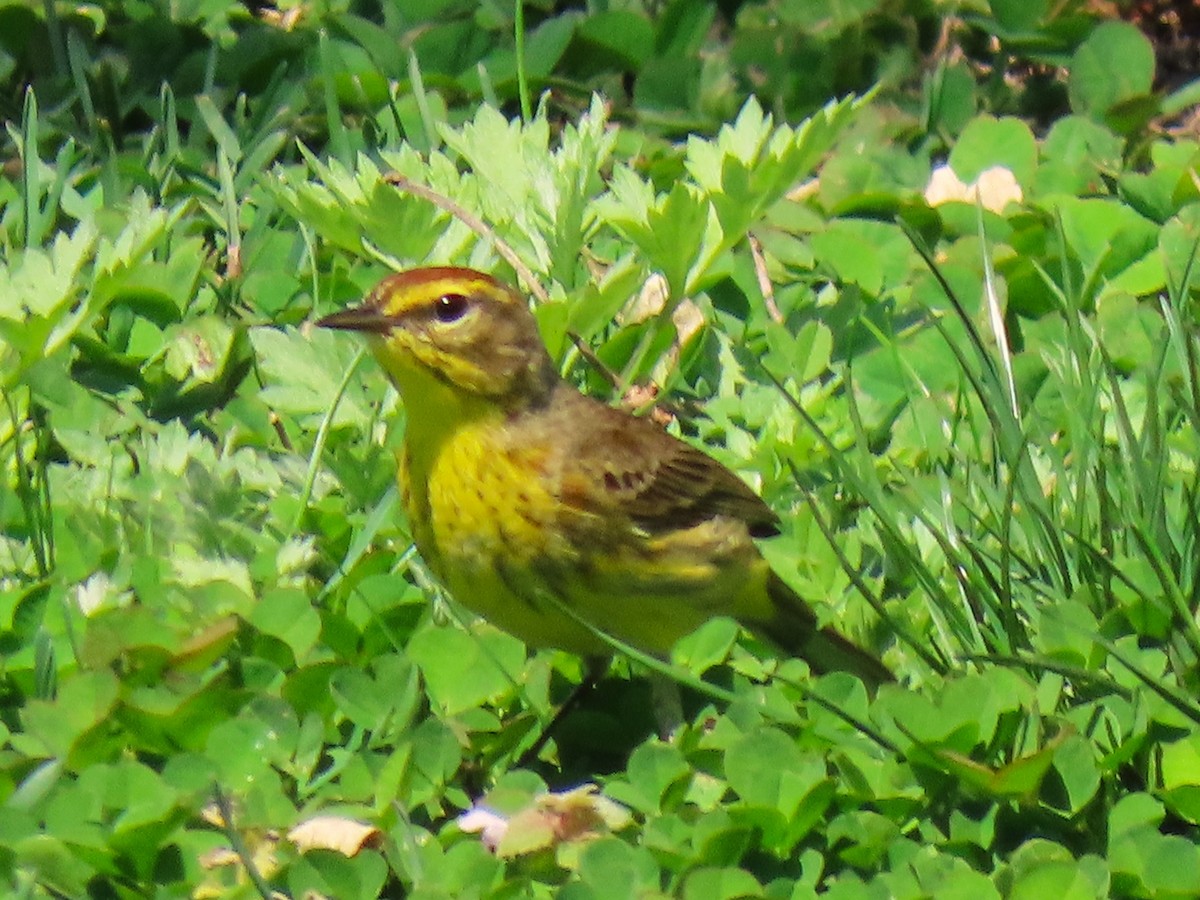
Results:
485 521
489 521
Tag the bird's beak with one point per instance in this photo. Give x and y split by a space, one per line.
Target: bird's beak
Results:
359 318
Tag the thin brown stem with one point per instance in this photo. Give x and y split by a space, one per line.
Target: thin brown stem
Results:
477 225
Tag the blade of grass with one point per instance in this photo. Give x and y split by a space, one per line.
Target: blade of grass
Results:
522 74
1178 700
486 89
996 317
918 244
914 642
33 228
339 143
31 495
77 59
431 139
872 494
314 459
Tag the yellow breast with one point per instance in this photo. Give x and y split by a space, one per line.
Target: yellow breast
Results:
483 512
487 501
487 514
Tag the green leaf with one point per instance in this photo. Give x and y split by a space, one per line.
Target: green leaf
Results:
436 756
622 34
288 615
348 208
1041 868
1132 813
54 865
1178 242
953 97
1021 778
360 698
1075 763
1019 15
1168 187
1152 864
464 668
544 47
303 376
239 747
37 293
767 769
707 646
1095 83
988 142
612 868
865 836
1106 235
655 770
682 30
83 702
1075 155
1181 776
329 873
721 884
851 256
668 230
825 15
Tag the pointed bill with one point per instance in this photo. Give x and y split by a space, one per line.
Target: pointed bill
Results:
358 318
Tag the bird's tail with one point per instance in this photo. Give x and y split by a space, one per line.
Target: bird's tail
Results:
793 627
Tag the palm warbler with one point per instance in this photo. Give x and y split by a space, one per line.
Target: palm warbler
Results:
541 509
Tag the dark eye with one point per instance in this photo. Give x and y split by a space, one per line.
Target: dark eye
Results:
450 307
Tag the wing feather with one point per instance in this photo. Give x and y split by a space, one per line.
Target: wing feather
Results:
631 468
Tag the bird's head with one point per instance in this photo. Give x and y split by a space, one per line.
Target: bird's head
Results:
453 328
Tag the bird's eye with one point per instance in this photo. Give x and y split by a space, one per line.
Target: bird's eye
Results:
450 307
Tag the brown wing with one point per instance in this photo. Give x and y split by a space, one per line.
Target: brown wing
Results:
624 465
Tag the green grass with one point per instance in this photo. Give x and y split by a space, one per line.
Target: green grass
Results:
979 427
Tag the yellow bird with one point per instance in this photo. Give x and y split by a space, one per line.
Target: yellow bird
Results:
541 509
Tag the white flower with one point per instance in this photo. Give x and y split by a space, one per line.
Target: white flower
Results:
97 593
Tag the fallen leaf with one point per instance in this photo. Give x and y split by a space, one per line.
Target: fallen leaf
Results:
346 836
